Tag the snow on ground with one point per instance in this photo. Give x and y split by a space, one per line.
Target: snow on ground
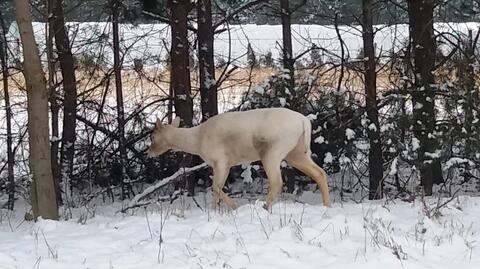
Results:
379 234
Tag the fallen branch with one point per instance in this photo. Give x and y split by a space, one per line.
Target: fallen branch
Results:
135 202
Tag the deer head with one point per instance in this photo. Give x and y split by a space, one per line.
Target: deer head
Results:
160 137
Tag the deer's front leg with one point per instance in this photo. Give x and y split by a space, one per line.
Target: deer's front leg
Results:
220 173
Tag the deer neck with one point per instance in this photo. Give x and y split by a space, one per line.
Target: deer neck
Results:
185 139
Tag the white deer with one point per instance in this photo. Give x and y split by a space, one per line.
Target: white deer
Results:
269 135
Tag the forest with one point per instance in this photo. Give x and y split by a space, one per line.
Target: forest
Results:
389 87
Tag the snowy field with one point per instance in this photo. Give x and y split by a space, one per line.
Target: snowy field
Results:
151 42
380 234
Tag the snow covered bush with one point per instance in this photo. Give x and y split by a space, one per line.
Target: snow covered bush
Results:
336 122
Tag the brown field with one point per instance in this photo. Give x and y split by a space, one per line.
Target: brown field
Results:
155 82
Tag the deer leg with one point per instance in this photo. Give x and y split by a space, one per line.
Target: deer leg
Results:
220 173
304 163
272 168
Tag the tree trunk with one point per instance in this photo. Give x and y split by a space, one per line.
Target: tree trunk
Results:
287 58
65 58
44 201
288 63
117 65
54 106
8 114
180 75
467 79
423 95
179 62
170 102
375 160
208 87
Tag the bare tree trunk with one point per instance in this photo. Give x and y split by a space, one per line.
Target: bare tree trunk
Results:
170 102
180 75
467 78
288 63
179 62
54 106
375 160
44 201
423 96
117 65
8 114
208 86
65 58
287 58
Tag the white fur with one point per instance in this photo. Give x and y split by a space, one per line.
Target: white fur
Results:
270 135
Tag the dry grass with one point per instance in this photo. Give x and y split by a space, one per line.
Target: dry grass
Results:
154 82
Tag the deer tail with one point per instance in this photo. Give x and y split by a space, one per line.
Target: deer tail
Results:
307 134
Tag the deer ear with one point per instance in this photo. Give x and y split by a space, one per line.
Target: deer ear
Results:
158 123
176 122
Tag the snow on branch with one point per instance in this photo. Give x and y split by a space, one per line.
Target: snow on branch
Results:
136 201
235 12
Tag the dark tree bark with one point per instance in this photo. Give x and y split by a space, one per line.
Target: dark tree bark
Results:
423 95
288 62
208 87
8 114
179 62
65 58
180 75
117 65
54 105
375 160
44 203
170 102
467 79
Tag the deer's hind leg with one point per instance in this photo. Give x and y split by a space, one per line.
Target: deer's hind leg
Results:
301 160
271 164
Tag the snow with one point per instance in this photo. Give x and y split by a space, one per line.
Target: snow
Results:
328 158
319 140
387 126
319 128
259 89
418 106
152 41
374 234
312 117
344 160
394 167
247 174
415 143
434 155
210 82
349 133
182 97
456 161
362 145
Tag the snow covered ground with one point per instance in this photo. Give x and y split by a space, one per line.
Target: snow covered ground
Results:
379 234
